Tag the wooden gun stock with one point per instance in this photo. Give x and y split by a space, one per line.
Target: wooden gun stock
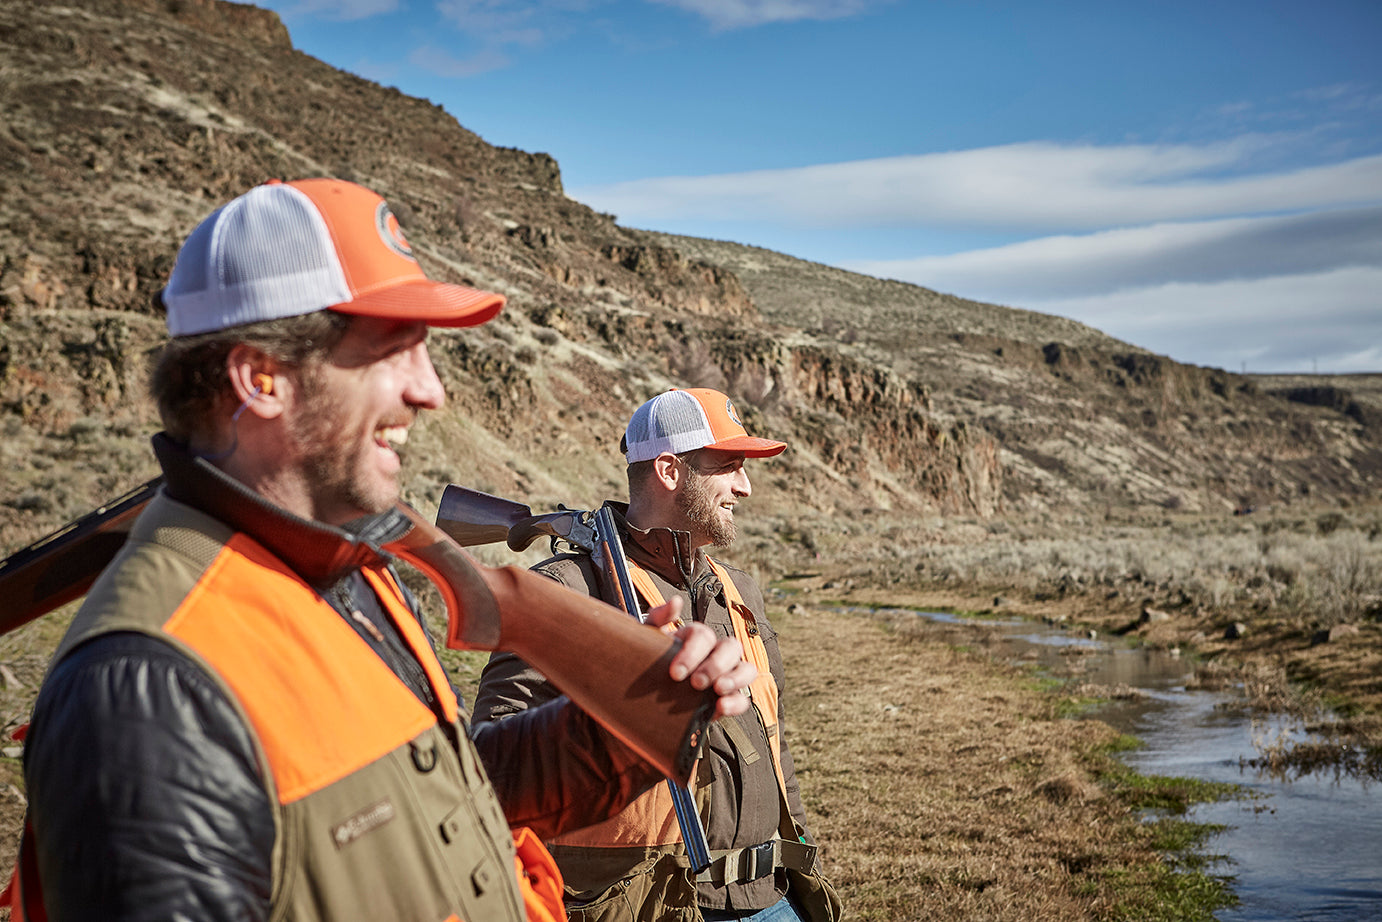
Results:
564 634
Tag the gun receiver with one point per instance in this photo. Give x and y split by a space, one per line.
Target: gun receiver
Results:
478 517
510 608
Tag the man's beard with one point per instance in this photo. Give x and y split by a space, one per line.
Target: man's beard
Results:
331 455
703 513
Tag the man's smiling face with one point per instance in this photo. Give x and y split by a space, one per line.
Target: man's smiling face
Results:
714 483
351 412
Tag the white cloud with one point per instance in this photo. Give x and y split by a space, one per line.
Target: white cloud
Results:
1030 186
738 14
345 10
1203 252
438 61
1326 321
1193 251
510 22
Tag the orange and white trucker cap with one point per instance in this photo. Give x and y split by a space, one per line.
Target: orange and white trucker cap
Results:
287 249
685 420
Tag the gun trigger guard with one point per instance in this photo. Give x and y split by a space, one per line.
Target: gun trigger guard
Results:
694 740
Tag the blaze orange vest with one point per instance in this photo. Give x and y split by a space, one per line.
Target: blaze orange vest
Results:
650 819
338 734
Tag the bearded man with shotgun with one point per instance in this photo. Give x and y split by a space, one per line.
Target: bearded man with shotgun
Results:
246 719
686 451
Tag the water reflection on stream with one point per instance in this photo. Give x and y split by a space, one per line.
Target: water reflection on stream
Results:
1309 849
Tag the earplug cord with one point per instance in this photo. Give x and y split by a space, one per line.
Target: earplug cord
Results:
234 428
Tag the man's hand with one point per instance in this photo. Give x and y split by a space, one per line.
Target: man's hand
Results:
708 661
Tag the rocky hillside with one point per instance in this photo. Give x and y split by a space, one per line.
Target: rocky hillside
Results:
127 121
1082 420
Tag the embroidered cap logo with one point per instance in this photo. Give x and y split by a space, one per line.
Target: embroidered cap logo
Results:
733 413
390 231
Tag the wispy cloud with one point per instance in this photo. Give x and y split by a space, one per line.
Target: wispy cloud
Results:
499 29
511 22
344 10
1029 186
1289 293
444 64
1325 321
1202 253
1195 251
739 14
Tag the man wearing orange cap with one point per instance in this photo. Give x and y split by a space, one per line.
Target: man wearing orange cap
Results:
686 452
246 719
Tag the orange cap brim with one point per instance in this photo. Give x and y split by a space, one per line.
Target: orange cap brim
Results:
750 446
436 304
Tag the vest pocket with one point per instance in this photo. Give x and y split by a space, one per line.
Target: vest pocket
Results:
657 889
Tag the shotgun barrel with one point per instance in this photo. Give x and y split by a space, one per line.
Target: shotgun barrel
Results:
609 554
60 567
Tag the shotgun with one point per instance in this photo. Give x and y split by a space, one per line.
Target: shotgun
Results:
60 567
473 517
488 608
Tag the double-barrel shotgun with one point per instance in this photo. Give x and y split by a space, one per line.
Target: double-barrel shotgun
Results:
472 517
488 608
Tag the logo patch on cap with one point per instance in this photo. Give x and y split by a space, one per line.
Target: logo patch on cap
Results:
733 413
390 231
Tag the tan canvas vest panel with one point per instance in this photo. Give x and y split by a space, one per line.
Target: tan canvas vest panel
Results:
378 815
650 820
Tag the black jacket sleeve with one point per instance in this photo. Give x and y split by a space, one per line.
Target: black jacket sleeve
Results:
556 769
146 789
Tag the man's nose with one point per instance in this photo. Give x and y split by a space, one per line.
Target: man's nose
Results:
424 387
741 485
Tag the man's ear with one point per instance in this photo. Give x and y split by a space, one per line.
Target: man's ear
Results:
253 381
667 471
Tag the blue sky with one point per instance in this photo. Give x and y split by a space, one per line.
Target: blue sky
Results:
1202 179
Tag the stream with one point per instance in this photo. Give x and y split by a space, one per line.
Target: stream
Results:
1305 849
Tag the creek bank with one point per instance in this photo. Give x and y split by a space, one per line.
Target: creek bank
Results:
1296 840
946 785
1282 663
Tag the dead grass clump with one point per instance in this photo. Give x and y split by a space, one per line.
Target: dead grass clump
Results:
1337 757
1069 787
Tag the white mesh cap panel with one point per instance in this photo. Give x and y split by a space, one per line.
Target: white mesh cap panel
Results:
672 421
235 269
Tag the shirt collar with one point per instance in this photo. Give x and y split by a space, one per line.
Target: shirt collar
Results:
321 554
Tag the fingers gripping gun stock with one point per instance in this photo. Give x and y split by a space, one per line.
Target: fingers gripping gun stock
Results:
481 518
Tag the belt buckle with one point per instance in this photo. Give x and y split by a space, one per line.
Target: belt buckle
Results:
762 862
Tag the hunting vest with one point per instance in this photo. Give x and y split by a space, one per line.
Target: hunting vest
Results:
382 809
660 885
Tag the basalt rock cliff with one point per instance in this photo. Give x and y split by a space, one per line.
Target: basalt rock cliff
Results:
125 122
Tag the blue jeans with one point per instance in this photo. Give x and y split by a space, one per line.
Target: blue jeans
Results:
781 911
